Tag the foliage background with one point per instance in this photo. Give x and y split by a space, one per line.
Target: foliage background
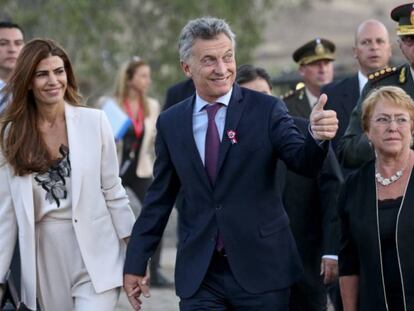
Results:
100 35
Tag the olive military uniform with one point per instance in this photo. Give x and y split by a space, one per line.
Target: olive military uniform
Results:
298 103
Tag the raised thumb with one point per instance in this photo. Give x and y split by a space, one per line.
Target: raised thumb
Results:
321 103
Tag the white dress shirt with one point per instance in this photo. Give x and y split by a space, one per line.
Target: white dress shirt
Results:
200 120
362 80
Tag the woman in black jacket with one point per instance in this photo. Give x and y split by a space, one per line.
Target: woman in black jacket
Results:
376 261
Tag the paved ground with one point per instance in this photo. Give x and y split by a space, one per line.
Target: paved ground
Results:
161 299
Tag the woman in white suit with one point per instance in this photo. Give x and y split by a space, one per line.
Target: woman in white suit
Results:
59 188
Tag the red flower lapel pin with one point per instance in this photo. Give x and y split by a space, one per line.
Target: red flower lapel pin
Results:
231 134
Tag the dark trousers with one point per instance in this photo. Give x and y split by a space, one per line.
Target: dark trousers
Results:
306 298
221 292
309 293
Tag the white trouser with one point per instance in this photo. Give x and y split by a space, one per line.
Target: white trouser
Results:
62 280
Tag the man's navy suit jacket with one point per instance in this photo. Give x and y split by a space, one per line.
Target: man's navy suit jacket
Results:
243 204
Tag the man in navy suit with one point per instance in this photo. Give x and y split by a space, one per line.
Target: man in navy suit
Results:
236 250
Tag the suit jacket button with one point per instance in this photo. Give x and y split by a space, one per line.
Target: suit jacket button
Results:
76 220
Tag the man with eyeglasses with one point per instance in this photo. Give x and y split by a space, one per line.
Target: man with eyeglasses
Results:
354 150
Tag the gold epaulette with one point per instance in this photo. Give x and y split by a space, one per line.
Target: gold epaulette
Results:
380 74
288 94
299 88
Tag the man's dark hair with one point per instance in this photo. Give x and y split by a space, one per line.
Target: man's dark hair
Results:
8 24
247 73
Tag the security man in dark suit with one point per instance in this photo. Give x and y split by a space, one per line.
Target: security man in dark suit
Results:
315 60
372 50
178 92
354 149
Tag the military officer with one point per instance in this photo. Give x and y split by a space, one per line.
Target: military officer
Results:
312 215
354 149
315 60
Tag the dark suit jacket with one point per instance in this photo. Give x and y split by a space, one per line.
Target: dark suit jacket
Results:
342 97
244 203
360 245
179 92
353 149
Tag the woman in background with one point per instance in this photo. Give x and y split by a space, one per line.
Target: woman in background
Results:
60 189
131 89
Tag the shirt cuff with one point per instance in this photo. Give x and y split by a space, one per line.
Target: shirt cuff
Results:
318 141
333 257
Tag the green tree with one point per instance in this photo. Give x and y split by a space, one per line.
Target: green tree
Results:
100 35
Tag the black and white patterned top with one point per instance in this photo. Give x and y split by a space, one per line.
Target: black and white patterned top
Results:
54 180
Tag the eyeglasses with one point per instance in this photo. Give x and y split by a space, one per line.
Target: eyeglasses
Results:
407 40
386 120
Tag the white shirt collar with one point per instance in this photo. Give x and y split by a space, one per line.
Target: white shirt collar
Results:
201 103
312 99
412 72
362 80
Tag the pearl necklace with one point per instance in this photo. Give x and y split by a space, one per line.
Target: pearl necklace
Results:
388 181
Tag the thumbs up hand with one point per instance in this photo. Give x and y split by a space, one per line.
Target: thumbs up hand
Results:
324 123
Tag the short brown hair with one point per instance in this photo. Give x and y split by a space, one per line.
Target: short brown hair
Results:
22 144
392 94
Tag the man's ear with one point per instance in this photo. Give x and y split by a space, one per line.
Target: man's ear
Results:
354 52
302 70
186 69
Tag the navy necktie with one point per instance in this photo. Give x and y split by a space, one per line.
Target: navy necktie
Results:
211 154
212 142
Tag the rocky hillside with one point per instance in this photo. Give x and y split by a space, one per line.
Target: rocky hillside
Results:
289 27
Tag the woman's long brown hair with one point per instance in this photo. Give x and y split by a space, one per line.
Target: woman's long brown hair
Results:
21 141
125 74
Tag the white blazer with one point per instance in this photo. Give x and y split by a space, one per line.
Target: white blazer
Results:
101 215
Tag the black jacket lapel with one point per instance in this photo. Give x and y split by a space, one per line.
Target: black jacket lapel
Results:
186 126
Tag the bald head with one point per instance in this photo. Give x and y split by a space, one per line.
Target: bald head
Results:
372 46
